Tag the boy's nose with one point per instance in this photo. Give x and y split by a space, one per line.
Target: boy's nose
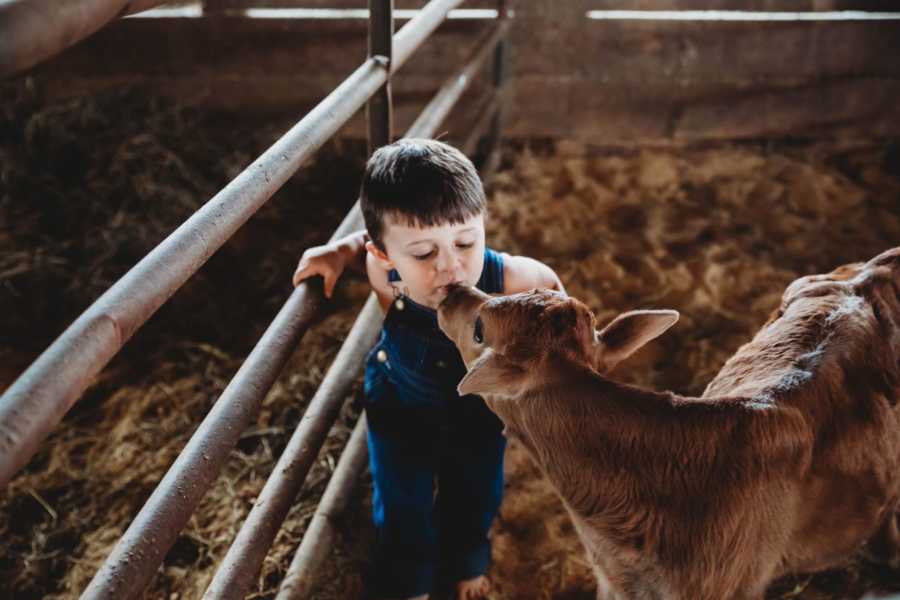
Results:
446 262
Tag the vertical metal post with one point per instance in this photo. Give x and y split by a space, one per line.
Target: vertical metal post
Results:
379 109
500 67
502 47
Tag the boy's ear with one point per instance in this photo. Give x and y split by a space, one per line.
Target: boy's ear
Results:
386 263
628 332
492 373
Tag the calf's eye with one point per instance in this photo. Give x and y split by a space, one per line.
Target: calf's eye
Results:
478 334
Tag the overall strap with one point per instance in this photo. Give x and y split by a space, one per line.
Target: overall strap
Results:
491 281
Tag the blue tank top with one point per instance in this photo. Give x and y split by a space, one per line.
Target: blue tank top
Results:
414 355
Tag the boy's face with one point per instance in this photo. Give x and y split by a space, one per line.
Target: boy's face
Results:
429 259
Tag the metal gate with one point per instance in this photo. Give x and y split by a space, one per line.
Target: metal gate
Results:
37 401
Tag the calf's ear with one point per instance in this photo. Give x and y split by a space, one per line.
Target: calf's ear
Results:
492 373
630 331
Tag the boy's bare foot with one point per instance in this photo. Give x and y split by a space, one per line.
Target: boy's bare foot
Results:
476 588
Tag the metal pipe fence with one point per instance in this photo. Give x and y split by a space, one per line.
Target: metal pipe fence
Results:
247 552
165 514
37 401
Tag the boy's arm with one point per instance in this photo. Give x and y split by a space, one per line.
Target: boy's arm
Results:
521 274
330 260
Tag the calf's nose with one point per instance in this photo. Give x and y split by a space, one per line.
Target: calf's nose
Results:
459 297
456 294
461 300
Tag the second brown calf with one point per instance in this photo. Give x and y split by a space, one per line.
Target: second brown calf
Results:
787 463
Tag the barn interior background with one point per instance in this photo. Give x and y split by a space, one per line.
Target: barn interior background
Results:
690 164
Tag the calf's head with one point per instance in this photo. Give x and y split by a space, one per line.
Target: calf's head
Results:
509 342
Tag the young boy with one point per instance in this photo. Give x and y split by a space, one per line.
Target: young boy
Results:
436 458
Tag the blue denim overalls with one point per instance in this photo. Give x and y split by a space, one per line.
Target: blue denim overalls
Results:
422 431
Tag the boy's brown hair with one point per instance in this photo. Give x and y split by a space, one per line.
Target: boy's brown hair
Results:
419 182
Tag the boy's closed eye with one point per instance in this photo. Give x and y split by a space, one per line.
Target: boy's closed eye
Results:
427 255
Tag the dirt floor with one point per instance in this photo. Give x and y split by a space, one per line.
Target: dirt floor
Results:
89 186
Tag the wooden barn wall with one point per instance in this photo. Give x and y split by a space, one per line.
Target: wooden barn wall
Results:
605 82
683 81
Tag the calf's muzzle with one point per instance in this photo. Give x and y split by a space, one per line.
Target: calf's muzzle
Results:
457 314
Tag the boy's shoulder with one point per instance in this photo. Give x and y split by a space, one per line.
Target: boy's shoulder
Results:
523 273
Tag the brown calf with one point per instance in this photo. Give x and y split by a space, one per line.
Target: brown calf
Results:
787 463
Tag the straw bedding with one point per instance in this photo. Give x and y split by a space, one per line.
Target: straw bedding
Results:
89 186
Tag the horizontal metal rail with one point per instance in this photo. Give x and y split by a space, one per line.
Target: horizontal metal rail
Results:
301 575
34 30
135 558
36 402
243 560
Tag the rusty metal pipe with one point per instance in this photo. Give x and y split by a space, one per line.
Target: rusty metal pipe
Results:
301 575
449 93
39 398
238 569
34 30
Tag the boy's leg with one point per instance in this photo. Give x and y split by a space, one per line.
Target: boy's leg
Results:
470 488
402 506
